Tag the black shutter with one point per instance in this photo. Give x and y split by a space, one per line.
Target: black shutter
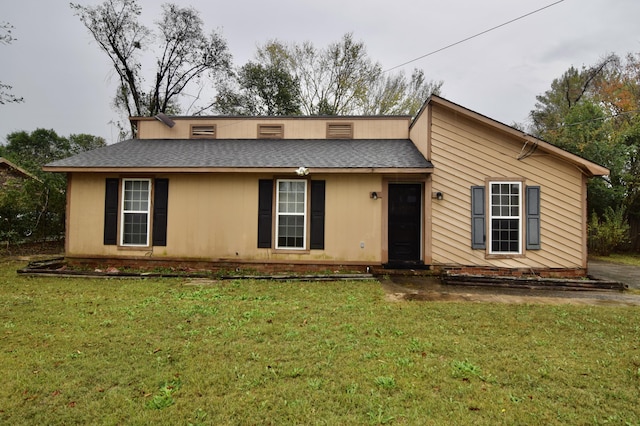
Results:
160 204
478 227
265 200
317 214
111 212
533 217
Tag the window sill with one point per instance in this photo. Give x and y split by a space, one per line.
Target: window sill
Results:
134 248
290 251
505 256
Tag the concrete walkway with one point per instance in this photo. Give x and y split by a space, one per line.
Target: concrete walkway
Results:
627 274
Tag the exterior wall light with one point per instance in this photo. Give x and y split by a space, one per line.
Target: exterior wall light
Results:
439 195
302 171
374 195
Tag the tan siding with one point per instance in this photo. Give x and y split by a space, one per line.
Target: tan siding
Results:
85 222
419 133
466 153
294 128
214 217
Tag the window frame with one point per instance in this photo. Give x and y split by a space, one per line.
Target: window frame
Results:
124 212
304 214
491 217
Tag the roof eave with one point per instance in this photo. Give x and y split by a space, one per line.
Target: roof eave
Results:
275 170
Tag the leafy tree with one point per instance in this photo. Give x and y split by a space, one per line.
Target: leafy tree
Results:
33 150
340 79
395 95
6 37
566 92
19 208
84 142
184 54
267 90
36 207
594 112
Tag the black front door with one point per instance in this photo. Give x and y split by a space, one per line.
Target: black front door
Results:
405 213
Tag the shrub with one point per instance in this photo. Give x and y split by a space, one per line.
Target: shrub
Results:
608 233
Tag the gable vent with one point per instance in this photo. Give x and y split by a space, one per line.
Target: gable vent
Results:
203 131
339 130
270 131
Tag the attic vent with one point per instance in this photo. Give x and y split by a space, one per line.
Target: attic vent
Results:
270 131
207 131
339 130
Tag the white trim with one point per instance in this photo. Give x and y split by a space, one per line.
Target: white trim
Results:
518 217
303 214
123 212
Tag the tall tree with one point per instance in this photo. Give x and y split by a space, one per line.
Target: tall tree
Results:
340 79
393 94
6 37
566 92
593 112
261 89
184 53
38 206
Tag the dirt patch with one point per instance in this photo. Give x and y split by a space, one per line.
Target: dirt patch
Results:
32 250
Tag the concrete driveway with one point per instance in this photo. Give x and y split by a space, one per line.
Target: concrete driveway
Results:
627 274
425 288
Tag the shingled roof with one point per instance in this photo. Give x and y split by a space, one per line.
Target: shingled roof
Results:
249 153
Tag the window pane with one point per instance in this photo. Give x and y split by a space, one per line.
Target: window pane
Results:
291 197
291 231
505 235
136 195
135 228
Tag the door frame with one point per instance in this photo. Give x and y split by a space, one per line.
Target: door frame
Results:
425 234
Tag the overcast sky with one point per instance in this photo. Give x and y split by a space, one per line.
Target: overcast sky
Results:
68 83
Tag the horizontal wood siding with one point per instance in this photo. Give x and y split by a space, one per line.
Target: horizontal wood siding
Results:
465 154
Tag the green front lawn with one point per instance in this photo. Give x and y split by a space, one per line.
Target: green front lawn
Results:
173 351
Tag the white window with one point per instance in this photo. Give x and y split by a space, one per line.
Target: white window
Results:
136 202
505 224
291 202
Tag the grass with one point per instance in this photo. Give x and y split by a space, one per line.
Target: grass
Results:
626 259
96 351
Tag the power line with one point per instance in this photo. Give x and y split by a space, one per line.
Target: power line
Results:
474 36
606 117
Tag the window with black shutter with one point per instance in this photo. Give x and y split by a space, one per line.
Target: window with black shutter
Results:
128 211
502 224
296 216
